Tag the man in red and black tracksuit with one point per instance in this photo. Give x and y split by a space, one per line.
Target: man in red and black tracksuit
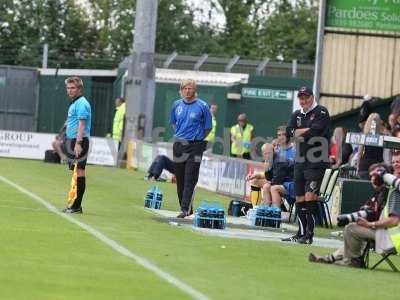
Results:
310 127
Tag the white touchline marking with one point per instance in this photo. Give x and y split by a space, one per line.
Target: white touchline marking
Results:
113 244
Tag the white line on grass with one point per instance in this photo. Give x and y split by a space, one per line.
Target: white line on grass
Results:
113 244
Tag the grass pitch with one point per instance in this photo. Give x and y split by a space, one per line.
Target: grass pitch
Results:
43 256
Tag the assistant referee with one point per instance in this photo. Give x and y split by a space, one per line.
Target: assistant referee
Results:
76 145
310 127
192 121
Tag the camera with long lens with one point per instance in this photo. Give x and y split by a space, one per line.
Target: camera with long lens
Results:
391 180
365 212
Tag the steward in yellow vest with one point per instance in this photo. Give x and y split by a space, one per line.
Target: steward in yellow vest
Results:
118 124
241 137
391 218
211 136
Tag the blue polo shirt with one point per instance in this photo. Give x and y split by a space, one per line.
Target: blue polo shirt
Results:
191 119
79 109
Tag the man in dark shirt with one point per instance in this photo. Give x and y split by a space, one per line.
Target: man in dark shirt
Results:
310 127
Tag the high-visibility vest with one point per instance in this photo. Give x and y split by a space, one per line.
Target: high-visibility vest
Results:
242 138
394 232
118 124
211 136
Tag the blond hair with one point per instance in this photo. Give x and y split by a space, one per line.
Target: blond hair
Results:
186 82
378 120
75 80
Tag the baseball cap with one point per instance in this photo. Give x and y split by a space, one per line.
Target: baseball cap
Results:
304 91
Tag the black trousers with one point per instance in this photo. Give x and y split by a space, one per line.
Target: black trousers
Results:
187 160
160 163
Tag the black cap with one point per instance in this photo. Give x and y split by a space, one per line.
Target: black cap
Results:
305 91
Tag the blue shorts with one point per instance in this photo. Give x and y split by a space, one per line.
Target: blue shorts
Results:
289 191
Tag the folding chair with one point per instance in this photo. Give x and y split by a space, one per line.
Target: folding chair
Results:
385 257
327 186
347 171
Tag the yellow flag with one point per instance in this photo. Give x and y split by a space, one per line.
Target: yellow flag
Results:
73 188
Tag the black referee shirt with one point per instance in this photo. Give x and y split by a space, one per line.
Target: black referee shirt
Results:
313 152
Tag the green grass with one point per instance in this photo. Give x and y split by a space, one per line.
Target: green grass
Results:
43 256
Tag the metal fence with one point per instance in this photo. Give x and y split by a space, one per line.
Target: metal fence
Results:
251 67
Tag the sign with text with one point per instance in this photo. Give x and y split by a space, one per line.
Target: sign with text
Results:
208 176
20 144
364 14
103 151
267 94
359 138
232 175
32 145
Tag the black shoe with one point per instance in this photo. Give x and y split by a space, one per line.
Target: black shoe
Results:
68 210
293 239
182 215
305 239
357 262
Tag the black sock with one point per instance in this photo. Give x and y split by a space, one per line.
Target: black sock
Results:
312 210
80 190
302 217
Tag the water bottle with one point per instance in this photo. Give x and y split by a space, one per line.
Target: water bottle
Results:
247 145
221 218
269 215
149 197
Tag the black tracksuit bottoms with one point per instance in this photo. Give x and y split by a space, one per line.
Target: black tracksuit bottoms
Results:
187 160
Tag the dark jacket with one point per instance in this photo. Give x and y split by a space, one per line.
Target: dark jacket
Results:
318 121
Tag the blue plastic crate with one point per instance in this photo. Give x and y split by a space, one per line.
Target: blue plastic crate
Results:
210 215
266 216
153 198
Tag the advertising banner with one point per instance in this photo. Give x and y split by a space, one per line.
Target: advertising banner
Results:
145 158
103 151
364 14
232 174
20 144
32 145
208 177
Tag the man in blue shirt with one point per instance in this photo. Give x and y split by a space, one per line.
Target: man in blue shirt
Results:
192 121
76 146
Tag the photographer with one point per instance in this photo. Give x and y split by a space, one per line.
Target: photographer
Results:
382 231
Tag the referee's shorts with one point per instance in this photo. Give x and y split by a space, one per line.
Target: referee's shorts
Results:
67 148
307 180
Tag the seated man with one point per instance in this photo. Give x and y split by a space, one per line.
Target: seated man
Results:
283 166
160 163
262 180
356 235
58 141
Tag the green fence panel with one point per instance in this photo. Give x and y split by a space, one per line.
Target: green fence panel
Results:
54 102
